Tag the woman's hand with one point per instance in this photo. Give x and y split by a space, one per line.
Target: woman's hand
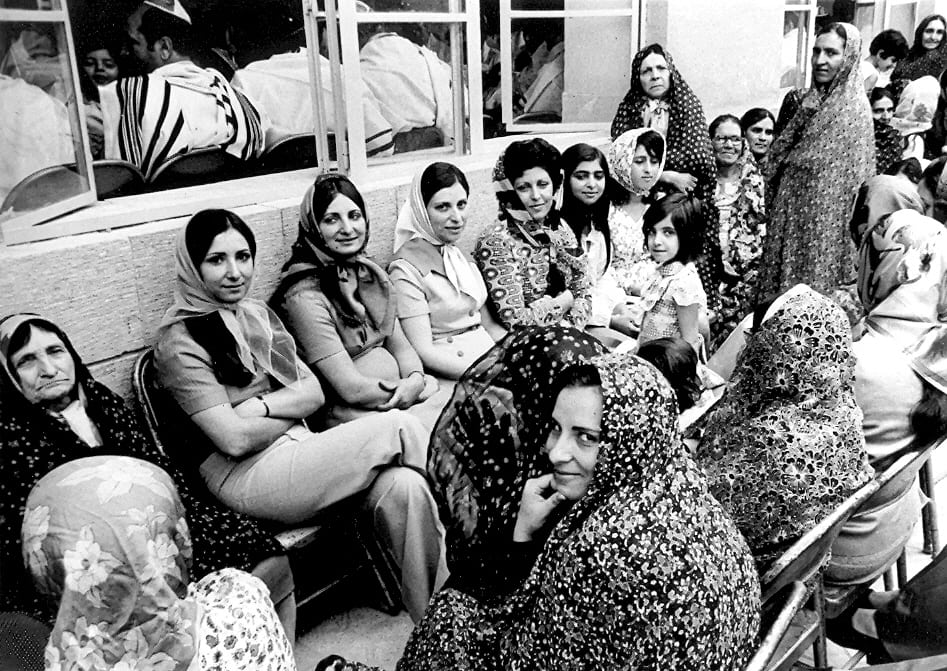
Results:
404 393
565 300
538 501
682 181
431 385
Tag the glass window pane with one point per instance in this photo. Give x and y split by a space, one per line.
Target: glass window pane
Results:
416 5
904 18
865 22
408 86
794 53
31 4
39 118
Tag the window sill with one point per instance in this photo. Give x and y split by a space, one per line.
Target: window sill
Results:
261 190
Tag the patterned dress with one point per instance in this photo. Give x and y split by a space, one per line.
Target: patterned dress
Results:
813 169
688 151
784 446
105 538
646 571
674 284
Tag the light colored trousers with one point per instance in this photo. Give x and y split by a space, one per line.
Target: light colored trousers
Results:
302 473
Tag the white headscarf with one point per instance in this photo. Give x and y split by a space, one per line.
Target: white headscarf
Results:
414 222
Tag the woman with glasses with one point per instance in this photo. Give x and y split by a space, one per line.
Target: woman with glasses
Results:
739 199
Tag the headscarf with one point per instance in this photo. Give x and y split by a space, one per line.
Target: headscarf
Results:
813 170
489 439
621 154
688 150
261 338
888 146
921 61
35 441
784 446
414 224
358 288
916 106
645 571
106 539
903 277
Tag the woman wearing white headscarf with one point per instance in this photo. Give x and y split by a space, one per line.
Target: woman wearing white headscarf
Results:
440 293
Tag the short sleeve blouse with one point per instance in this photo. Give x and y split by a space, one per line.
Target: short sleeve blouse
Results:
318 328
186 370
450 310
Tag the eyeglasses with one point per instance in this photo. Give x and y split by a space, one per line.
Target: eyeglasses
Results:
732 139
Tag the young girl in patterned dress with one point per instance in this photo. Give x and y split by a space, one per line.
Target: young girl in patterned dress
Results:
674 301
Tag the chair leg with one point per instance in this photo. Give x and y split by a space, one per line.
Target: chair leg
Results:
890 580
929 513
902 569
819 654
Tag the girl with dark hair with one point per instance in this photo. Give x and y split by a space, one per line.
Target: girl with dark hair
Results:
740 200
815 165
52 411
660 99
339 304
677 361
928 53
758 125
532 264
259 457
585 207
674 301
440 293
888 143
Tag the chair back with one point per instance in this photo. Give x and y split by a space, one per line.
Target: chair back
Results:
777 615
293 152
198 166
899 475
43 187
804 558
114 177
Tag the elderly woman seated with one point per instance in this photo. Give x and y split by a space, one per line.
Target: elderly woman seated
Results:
627 560
52 412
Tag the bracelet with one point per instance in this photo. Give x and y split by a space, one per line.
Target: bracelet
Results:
265 405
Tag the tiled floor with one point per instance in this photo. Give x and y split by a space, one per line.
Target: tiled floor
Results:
375 638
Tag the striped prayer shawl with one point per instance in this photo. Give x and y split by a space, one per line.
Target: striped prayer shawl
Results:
180 107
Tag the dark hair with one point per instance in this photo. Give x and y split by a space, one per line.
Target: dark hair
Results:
577 214
891 42
644 53
156 23
206 225
437 176
677 361
21 335
327 187
715 124
209 330
523 155
685 214
929 416
917 49
834 27
654 144
754 115
930 178
576 375
909 167
880 93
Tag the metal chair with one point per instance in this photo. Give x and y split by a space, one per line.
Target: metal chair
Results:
777 616
356 553
43 187
114 177
198 166
803 562
936 663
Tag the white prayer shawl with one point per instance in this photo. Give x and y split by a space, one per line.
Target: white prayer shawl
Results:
411 84
177 108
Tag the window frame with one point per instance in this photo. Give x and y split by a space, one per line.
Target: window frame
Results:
891 4
17 226
353 159
508 15
811 7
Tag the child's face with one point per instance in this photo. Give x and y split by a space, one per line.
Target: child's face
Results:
663 243
100 66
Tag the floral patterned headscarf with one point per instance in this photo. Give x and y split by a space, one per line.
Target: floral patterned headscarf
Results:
107 539
784 446
621 154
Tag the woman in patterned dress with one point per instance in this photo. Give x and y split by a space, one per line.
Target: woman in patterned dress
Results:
105 538
814 168
531 261
643 571
660 99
